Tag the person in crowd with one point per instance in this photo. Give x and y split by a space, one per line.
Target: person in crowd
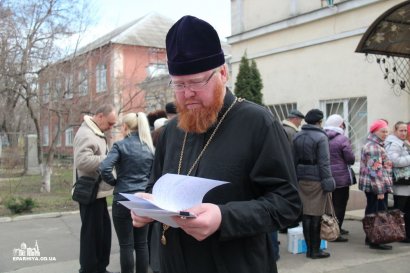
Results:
154 115
155 228
291 126
375 173
407 141
171 110
90 148
399 154
311 153
132 159
292 123
341 156
232 228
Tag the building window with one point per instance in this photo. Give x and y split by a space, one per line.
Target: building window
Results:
280 111
69 137
46 92
354 113
45 136
83 82
156 70
101 74
58 90
68 94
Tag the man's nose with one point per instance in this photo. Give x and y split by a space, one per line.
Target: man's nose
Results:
188 93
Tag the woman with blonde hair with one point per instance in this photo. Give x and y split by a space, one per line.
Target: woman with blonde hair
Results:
132 158
399 153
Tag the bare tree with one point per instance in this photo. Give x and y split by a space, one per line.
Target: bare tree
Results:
31 35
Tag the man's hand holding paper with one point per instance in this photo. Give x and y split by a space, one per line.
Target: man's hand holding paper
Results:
207 221
173 195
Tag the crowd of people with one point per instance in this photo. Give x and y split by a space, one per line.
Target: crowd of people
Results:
279 173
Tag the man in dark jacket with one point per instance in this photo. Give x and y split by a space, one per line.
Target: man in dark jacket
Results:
231 232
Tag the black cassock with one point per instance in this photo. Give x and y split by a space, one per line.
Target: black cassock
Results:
249 150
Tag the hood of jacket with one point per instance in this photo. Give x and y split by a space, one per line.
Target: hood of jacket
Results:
93 126
392 139
331 134
286 122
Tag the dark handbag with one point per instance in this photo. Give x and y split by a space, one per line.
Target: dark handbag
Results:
384 227
329 226
352 175
401 176
85 189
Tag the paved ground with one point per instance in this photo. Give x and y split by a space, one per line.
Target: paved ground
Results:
57 237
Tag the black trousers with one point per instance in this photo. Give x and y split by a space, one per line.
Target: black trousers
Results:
340 197
95 237
373 204
403 203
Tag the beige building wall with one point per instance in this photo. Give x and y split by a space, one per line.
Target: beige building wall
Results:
309 57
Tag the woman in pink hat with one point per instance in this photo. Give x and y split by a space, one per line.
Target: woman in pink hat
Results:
375 173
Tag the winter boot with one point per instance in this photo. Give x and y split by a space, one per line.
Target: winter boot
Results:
316 253
306 222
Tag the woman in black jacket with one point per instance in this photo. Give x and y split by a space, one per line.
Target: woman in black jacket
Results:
132 158
311 148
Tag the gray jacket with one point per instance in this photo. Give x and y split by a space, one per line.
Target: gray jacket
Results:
399 155
311 153
397 151
90 148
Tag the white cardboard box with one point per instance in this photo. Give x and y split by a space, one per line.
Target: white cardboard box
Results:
297 243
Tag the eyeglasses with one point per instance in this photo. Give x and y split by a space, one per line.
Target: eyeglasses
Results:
193 86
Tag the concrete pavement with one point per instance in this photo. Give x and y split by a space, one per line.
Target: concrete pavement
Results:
57 237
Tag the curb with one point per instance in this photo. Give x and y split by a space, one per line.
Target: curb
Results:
356 215
40 216
37 216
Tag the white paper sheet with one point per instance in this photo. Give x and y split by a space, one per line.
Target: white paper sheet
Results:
172 193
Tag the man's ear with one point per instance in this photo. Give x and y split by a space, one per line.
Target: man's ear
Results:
224 73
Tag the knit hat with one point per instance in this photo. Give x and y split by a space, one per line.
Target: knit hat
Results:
334 121
377 125
313 116
193 46
295 114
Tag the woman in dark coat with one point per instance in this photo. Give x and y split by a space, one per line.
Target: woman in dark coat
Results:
341 155
312 161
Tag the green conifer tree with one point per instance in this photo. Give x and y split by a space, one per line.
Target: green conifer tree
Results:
248 83
257 85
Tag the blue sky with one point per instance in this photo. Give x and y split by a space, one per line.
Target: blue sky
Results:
110 14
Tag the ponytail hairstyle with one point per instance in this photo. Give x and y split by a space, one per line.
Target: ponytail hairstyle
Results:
139 122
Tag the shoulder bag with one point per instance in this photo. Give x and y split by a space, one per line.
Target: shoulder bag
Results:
384 227
329 227
352 175
85 189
